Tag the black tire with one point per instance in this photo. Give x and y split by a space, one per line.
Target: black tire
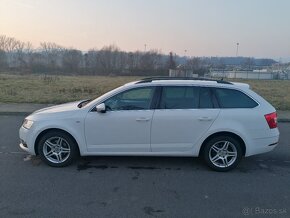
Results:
57 145
216 159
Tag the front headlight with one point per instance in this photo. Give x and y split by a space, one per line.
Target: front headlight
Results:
27 124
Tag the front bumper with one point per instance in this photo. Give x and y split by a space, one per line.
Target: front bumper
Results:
26 140
23 146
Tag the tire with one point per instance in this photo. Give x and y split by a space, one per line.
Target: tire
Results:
222 153
57 149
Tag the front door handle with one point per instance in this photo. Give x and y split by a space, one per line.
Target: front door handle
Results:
142 119
204 118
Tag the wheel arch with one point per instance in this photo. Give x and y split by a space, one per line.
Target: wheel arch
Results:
42 133
223 133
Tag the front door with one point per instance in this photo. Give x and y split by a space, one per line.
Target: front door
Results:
125 126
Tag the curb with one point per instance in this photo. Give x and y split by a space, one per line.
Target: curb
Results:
14 113
283 120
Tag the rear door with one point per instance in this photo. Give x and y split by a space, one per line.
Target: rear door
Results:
183 115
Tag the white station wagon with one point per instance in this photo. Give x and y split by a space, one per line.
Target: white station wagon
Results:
217 120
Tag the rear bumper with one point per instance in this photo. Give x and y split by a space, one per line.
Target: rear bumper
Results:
262 145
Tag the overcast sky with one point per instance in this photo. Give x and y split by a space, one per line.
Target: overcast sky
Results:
202 27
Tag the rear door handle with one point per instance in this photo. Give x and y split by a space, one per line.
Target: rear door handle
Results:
142 119
204 118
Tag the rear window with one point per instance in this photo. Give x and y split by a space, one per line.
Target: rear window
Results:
229 98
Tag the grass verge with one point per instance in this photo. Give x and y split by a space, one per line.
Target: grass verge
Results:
60 89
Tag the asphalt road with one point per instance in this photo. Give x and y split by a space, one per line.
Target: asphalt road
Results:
141 186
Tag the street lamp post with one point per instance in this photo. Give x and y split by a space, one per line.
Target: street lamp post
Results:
237 53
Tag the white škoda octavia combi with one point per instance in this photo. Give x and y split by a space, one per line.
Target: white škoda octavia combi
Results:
217 120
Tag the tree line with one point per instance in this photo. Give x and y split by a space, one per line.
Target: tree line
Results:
50 58
18 56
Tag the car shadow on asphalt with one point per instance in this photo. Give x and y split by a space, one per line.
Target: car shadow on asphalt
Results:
255 164
140 163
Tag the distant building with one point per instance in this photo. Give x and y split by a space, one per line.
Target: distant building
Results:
181 73
256 74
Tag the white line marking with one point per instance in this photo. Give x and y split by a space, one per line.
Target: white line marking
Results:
17 152
13 152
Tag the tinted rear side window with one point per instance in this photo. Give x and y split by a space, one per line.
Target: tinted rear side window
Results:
229 98
179 97
205 99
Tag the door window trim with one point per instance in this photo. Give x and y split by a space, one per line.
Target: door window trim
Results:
213 98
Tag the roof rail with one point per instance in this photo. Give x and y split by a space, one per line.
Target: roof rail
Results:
150 79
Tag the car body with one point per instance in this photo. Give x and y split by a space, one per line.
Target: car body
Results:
157 117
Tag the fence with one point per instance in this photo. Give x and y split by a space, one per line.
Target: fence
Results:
250 75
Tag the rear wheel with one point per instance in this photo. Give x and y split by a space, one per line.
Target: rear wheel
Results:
222 153
57 149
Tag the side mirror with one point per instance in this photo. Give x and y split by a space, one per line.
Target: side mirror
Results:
101 108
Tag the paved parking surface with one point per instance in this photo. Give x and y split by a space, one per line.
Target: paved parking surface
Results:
141 186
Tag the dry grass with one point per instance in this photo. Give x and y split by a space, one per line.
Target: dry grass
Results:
59 89
55 89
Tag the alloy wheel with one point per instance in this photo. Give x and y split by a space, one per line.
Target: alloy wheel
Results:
56 150
223 154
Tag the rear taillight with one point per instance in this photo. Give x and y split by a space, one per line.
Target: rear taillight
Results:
272 120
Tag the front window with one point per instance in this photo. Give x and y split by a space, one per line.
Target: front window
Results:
134 99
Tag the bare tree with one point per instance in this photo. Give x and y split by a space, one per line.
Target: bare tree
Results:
3 60
13 49
91 62
72 60
108 58
52 54
196 65
9 44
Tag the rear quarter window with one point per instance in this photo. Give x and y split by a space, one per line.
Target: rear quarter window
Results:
230 98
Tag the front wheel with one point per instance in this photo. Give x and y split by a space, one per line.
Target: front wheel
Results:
57 149
222 153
